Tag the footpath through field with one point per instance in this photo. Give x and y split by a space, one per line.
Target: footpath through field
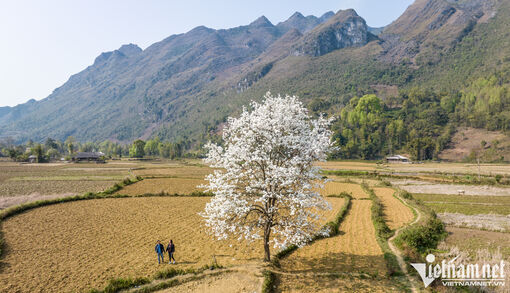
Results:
398 217
350 261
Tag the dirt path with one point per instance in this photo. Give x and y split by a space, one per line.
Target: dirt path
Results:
398 253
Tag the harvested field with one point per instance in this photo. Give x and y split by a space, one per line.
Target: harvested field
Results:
347 165
234 282
489 222
28 188
82 244
43 180
415 186
355 249
357 180
169 185
450 168
471 240
177 171
396 213
332 188
8 201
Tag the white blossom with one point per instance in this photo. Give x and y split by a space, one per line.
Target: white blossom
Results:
265 183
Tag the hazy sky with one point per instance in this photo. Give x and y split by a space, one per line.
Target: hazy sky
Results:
43 42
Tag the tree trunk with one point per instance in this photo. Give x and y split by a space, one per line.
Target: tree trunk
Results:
267 232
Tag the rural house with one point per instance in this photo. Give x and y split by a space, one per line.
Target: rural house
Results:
397 159
88 156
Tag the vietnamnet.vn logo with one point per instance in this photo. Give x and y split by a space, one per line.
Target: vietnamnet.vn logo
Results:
452 274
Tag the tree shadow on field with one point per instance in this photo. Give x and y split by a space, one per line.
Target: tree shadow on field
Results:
334 272
4 250
334 263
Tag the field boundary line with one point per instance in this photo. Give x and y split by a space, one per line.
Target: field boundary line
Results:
396 251
269 273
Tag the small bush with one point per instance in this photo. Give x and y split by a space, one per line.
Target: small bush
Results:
423 238
116 285
269 282
405 194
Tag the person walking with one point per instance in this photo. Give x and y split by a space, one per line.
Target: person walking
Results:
160 249
170 249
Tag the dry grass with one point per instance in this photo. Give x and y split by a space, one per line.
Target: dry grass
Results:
489 222
470 240
467 139
450 168
396 214
169 185
177 171
333 187
354 250
416 186
79 245
248 280
33 180
347 165
28 188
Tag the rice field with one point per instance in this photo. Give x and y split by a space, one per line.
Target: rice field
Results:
396 213
348 165
332 188
80 245
354 250
168 185
466 204
58 178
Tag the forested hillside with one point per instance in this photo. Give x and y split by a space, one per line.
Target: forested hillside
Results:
404 88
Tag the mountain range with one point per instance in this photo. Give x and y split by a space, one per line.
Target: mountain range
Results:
185 86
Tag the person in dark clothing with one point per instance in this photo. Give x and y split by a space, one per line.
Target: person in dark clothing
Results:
160 249
170 249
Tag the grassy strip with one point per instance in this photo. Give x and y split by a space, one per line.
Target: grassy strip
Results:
116 285
269 285
119 284
423 237
466 179
382 232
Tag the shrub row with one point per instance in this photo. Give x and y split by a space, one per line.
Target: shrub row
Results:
269 285
382 231
119 284
422 237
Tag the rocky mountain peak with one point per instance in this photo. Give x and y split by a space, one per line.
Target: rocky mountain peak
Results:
261 22
345 29
130 49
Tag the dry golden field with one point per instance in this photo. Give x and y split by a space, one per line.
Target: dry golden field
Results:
79 245
395 212
354 250
332 188
181 171
347 165
168 185
21 183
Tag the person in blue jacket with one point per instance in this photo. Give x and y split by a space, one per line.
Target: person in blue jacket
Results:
160 249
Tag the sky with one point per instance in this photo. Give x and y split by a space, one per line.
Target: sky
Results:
42 43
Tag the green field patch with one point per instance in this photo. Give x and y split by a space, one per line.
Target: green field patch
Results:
455 198
469 208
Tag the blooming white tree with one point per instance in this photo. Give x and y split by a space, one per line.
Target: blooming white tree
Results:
265 184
